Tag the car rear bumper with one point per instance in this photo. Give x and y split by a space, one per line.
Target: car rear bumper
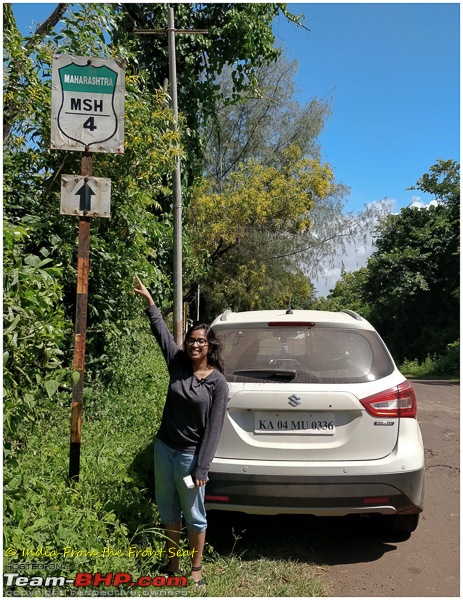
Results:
335 495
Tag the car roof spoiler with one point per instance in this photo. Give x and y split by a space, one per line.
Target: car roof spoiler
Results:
352 314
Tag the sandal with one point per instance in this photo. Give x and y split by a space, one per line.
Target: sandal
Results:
201 584
165 571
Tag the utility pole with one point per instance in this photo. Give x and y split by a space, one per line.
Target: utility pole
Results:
177 184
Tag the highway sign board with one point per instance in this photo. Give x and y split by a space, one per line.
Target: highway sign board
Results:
87 104
85 196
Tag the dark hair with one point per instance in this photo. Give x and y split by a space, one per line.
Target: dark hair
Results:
214 352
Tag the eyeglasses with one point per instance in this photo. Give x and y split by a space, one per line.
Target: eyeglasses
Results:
192 341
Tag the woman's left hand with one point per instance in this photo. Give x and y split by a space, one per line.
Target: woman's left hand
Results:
200 482
142 291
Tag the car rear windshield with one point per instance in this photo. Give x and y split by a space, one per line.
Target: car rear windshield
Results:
315 355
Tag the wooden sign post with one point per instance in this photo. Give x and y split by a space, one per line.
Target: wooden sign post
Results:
80 331
87 116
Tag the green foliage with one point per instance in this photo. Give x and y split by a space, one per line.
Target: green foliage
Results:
413 282
443 180
410 287
138 236
262 124
258 213
445 365
111 506
263 127
22 85
260 198
348 293
34 330
239 36
253 286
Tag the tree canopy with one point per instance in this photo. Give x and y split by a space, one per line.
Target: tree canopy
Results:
239 37
257 213
41 244
262 124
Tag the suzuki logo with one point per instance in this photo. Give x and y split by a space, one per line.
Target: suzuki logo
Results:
294 400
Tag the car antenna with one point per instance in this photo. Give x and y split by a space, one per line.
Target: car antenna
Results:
289 311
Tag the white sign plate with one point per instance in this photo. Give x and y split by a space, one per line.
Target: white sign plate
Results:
87 104
85 196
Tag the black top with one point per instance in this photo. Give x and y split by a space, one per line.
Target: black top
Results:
194 411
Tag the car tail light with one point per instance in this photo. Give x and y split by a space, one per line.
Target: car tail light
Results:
396 402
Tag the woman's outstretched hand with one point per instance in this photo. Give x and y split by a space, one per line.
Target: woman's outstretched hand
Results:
141 290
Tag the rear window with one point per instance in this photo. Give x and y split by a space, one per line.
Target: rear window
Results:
316 355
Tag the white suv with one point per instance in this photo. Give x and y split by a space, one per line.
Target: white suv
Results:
319 420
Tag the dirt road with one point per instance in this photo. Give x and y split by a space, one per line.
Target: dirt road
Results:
426 564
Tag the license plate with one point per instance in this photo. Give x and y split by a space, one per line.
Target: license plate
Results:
295 423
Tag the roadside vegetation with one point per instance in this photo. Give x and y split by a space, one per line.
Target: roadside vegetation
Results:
410 287
446 366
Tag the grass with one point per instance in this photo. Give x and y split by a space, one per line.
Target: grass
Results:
233 576
99 523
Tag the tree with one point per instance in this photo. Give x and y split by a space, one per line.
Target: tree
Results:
260 128
260 210
443 180
413 276
239 35
40 244
21 75
262 124
348 293
259 197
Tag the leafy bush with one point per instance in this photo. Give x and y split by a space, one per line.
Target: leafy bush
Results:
34 329
447 364
138 237
450 361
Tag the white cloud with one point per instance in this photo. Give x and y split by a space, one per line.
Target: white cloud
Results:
418 203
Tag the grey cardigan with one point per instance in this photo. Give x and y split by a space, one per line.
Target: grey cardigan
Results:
194 411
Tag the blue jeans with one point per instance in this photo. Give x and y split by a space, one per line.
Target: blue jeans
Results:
173 498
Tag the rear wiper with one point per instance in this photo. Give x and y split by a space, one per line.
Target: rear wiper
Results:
269 371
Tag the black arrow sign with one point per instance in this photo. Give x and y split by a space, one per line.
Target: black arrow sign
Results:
85 194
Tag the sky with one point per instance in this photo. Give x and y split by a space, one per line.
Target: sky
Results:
390 72
391 75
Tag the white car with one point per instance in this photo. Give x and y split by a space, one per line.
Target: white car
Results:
320 421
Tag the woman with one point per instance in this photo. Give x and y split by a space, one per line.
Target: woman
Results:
187 439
